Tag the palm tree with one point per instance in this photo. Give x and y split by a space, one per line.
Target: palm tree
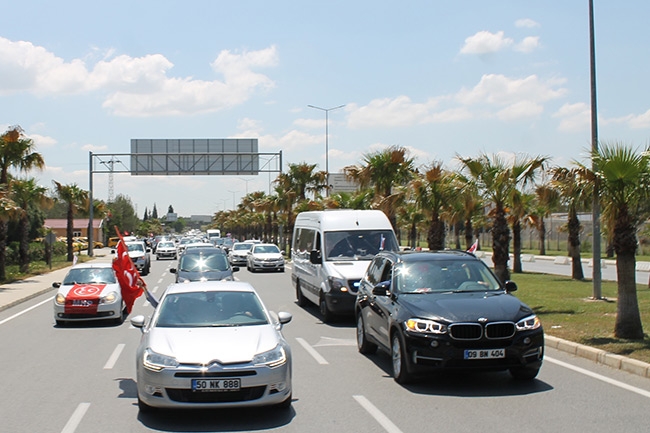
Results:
26 194
623 177
8 210
520 206
16 151
384 170
547 200
576 186
76 200
471 203
496 179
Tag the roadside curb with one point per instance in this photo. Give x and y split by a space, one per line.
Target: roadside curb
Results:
26 298
599 356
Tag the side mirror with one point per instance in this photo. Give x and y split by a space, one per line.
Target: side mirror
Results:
138 321
381 289
56 285
510 286
315 257
173 270
234 268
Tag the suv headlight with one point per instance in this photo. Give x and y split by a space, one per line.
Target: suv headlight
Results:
60 299
528 323
272 358
338 284
423 326
108 299
156 361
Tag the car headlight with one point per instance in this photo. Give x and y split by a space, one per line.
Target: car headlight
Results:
528 323
156 361
338 284
272 358
108 299
424 326
60 299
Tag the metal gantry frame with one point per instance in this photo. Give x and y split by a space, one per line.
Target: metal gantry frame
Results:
98 160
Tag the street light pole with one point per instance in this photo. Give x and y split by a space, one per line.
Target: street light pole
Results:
233 198
327 167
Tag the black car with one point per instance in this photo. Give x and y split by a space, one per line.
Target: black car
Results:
203 264
445 310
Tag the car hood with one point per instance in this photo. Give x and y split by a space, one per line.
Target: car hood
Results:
226 345
91 289
465 306
348 270
136 254
205 275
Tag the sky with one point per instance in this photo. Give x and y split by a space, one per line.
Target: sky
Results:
444 79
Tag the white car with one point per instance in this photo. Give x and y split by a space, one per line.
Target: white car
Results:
238 253
166 249
89 291
265 257
140 256
212 344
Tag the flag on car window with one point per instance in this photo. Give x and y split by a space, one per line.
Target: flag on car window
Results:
473 248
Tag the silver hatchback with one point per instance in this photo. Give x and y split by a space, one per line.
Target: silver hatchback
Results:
212 344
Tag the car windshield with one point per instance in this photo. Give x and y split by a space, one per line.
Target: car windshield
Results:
210 309
135 247
358 244
241 247
266 249
203 262
444 276
90 276
166 245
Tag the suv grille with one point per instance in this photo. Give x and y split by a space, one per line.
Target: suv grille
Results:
476 331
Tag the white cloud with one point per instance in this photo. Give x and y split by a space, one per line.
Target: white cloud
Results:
135 87
500 90
485 42
641 121
528 45
574 117
526 23
399 111
520 110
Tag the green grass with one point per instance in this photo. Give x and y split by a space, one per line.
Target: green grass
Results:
567 311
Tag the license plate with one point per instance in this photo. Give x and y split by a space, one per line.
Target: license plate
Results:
216 385
485 354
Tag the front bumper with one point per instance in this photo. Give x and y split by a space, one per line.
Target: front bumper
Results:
271 265
525 349
172 388
104 312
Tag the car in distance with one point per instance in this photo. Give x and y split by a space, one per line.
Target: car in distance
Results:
203 264
166 249
264 257
239 252
212 345
140 256
89 291
445 310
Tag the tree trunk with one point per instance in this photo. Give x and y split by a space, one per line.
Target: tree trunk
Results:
574 246
3 250
458 227
516 243
23 251
542 237
413 231
68 232
469 233
436 235
628 318
500 245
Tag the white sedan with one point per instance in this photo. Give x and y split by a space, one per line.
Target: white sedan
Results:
212 344
89 291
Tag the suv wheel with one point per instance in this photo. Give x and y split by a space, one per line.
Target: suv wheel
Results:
363 344
399 359
324 310
301 300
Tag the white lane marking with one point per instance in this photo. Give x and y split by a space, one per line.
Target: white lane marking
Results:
312 351
378 415
114 356
599 377
76 417
26 310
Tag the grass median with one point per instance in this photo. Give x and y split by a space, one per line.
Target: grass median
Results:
567 311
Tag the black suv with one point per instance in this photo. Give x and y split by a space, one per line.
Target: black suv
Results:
445 309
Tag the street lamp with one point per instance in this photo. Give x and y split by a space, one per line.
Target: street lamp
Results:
233 199
246 180
327 167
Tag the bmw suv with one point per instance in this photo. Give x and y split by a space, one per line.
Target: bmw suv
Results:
445 310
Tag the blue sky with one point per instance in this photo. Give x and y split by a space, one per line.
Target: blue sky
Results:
441 78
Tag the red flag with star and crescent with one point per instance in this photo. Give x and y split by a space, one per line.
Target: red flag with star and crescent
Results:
131 283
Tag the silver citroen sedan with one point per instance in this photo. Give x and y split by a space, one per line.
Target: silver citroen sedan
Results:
212 344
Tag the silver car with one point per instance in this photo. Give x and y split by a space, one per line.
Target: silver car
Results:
264 257
212 344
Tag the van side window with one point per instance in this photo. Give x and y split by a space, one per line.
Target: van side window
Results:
305 241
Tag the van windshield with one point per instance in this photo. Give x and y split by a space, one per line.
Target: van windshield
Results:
358 244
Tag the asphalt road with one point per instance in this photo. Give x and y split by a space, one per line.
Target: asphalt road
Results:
81 378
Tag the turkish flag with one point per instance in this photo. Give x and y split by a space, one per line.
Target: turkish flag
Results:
131 282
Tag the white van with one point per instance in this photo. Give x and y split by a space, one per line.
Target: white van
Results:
331 250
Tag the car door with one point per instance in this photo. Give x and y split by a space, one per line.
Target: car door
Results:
382 306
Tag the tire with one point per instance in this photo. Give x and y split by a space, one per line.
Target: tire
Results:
325 312
365 347
399 360
60 323
524 373
300 298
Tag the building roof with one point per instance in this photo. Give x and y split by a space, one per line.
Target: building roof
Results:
77 223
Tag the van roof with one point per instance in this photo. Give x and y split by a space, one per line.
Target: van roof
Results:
344 219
